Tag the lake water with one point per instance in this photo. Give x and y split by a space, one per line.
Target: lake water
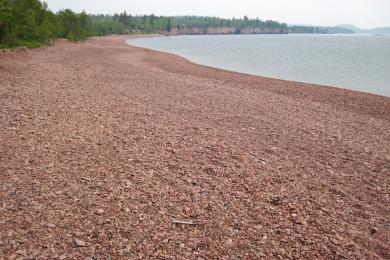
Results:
357 62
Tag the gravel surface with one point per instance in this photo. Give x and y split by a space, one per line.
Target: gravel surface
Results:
109 150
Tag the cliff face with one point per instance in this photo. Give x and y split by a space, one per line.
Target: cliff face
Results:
224 30
260 30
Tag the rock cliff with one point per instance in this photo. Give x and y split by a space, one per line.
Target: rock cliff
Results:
224 30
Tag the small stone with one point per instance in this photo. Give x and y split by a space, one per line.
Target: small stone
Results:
373 230
13 257
79 242
21 252
50 225
99 211
85 179
229 242
77 233
258 227
276 199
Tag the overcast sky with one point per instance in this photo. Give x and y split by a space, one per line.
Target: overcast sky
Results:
362 13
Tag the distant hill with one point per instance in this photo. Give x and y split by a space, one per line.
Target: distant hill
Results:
349 26
355 29
343 28
318 29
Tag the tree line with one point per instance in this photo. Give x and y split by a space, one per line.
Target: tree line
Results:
317 29
31 23
152 23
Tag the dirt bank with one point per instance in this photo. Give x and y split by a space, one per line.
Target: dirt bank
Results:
103 145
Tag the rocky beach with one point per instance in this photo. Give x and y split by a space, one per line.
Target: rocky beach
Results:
111 150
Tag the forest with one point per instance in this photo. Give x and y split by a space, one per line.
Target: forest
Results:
152 23
317 29
31 23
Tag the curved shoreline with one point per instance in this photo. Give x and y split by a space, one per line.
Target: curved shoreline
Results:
373 104
104 146
202 61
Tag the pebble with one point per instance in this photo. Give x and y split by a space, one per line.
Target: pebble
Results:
258 227
21 252
99 211
276 199
335 241
229 242
373 230
79 242
50 225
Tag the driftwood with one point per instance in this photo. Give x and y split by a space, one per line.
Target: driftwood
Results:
183 222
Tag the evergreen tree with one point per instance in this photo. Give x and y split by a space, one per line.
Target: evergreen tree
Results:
31 23
169 24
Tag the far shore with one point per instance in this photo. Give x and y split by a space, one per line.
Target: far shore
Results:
108 149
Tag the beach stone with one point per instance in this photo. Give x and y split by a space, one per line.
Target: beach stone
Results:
50 225
80 243
229 242
373 230
99 211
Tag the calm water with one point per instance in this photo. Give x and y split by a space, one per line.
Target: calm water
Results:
358 62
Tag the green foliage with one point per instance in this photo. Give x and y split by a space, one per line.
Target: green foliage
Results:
152 23
5 17
26 23
73 25
30 23
29 44
306 29
318 30
169 24
102 25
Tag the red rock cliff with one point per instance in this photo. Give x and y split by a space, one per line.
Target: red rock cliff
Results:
224 30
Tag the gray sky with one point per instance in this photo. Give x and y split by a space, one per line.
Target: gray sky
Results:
362 13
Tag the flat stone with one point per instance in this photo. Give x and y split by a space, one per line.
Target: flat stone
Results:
79 243
99 211
50 225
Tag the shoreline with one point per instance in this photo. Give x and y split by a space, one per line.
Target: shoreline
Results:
253 74
105 147
296 92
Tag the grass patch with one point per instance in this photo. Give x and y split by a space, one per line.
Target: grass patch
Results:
20 43
29 44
